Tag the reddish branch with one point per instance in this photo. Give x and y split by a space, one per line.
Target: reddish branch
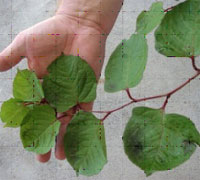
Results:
64 115
133 100
165 103
129 95
169 9
109 112
167 95
194 64
70 113
27 103
43 101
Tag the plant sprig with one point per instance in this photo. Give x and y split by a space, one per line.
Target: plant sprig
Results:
165 140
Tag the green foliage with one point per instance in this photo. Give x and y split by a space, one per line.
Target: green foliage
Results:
153 140
13 112
26 87
178 34
85 145
127 64
70 81
39 129
148 20
74 81
156 141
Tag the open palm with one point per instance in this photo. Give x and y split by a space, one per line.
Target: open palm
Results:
44 42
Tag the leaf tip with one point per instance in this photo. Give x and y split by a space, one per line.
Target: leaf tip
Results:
77 173
5 126
148 172
198 141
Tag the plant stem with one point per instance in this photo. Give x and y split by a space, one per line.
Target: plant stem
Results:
64 115
28 103
111 111
169 9
43 101
167 95
194 64
106 115
129 94
165 103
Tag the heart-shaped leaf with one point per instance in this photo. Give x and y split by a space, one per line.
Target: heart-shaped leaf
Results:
178 34
39 129
85 146
27 87
13 112
148 20
156 141
126 65
70 81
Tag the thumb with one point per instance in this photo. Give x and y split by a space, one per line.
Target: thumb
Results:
13 54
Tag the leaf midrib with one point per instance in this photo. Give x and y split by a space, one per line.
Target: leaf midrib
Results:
16 112
44 131
28 81
82 160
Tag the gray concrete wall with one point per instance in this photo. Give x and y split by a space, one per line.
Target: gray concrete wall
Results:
161 75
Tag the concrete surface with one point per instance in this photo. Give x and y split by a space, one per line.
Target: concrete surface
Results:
161 76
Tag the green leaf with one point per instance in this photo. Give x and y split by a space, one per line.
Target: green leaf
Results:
39 129
126 65
178 34
70 81
27 87
148 20
156 141
13 112
85 146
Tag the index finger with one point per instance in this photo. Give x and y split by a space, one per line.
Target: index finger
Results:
13 54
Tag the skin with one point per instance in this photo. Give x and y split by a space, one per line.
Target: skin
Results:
82 27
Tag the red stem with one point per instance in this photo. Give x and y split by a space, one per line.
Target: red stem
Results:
194 64
133 100
111 111
43 101
65 115
106 115
165 103
27 103
169 9
129 95
167 95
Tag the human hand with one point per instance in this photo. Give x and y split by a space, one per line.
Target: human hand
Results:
44 42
